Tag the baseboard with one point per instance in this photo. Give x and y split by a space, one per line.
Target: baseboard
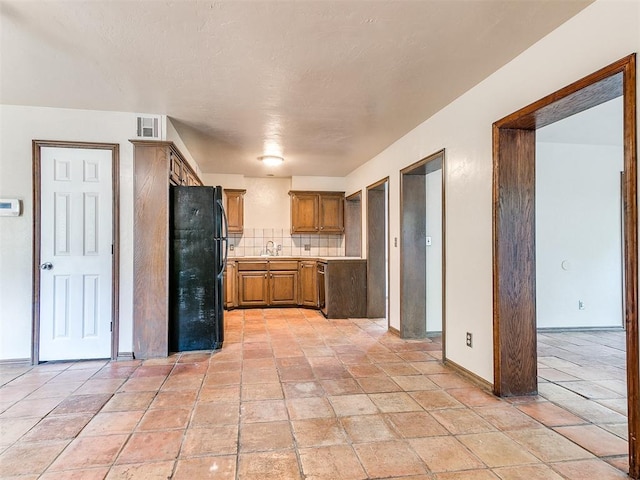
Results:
394 330
481 382
579 329
124 356
16 361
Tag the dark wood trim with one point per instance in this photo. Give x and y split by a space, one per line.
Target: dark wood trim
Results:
513 137
115 266
444 257
630 194
353 224
35 248
378 184
354 195
37 145
514 283
375 187
588 92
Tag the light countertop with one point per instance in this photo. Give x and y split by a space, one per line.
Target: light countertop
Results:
254 258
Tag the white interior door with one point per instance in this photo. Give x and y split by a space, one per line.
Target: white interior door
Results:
75 254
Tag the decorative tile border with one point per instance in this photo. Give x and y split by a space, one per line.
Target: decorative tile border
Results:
254 240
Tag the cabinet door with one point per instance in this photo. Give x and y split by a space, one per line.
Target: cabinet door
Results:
190 178
230 295
308 284
252 289
331 219
304 213
175 169
283 288
235 210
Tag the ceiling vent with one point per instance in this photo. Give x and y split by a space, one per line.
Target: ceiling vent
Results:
148 126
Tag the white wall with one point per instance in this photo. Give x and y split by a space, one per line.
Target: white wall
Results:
578 235
18 127
433 190
335 184
266 202
172 135
464 128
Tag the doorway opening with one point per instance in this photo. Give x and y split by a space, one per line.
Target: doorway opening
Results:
74 227
378 250
514 215
353 225
422 273
579 283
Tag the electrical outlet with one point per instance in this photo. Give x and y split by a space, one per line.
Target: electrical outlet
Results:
580 305
469 340
307 247
231 247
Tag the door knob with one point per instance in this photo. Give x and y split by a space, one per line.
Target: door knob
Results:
46 266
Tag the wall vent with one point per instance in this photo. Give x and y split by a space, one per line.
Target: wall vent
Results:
148 126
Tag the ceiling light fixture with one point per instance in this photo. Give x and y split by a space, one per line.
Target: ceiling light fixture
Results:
271 160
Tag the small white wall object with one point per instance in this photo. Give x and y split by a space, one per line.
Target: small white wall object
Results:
9 207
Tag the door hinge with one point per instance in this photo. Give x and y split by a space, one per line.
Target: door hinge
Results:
111 327
112 249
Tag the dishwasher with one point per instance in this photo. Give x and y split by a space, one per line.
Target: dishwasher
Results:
322 288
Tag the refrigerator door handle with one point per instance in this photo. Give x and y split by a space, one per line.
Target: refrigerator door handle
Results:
224 238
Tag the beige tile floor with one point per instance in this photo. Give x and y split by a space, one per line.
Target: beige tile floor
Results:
293 395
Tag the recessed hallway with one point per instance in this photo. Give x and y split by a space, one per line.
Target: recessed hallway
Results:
293 395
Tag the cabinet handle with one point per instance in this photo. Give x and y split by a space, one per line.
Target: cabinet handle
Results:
265 276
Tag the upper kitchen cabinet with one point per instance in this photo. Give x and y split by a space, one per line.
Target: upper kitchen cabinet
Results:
235 209
180 172
317 212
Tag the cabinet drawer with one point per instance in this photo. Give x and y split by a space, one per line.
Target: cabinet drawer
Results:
283 265
251 266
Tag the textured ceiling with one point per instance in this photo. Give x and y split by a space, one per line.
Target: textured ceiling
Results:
329 84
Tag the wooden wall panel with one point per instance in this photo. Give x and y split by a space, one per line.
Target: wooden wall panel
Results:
376 268
514 263
353 226
151 252
413 288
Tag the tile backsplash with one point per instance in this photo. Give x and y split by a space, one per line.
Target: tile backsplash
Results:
254 241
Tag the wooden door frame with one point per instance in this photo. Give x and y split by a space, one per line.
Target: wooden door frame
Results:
406 291
114 148
514 316
375 186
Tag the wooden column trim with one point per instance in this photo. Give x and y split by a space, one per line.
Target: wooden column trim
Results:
617 79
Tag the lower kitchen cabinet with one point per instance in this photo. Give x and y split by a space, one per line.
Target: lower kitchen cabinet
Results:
308 276
338 289
345 289
253 289
230 286
261 284
283 288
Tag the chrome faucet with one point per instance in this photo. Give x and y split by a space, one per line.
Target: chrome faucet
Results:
269 251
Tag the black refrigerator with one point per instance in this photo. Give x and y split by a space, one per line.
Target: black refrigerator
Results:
197 258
